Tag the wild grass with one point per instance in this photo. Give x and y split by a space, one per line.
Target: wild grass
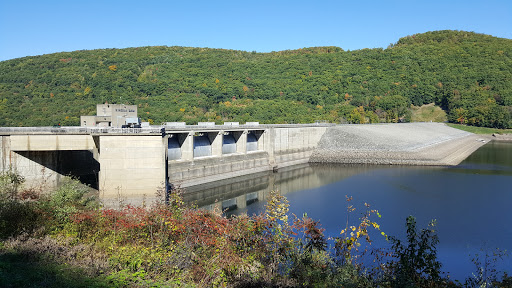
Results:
480 130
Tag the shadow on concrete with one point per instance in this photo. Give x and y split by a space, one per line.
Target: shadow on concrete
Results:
76 163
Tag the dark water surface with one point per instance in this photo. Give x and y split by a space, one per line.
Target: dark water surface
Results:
471 202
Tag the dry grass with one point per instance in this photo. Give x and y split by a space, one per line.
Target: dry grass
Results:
428 113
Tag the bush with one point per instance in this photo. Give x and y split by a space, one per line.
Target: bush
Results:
10 182
16 216
69 198
417 264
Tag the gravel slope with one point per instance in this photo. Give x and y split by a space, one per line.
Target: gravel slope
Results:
404 143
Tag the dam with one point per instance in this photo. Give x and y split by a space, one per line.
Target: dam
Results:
135 163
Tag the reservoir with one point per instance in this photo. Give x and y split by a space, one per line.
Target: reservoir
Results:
471 201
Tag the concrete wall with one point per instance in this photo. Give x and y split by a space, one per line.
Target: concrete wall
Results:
51 142
131 166
291 146
117 165
198 171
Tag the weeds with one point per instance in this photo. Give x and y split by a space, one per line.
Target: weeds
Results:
486 273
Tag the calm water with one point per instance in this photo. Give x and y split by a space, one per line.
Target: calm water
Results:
471 202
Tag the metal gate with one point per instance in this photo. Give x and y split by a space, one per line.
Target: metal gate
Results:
228 144
202 146
173 149
252 142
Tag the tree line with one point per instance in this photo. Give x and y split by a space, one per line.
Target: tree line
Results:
467 74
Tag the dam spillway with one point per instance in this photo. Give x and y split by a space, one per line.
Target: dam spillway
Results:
226 151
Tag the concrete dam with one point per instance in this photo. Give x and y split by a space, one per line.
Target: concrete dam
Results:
135 163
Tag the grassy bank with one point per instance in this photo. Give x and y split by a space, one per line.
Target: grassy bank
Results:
428 113
63 239
480 130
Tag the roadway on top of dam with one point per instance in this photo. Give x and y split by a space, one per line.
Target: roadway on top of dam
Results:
152 130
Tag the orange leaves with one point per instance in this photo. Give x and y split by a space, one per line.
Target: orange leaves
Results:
313 234
181 225
112 68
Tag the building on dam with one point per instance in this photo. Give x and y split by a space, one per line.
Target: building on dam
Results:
112 115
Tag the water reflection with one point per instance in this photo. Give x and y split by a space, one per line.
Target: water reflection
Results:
236 195
494 158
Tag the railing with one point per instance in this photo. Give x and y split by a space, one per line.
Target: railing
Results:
110 130
78 130
44 130
245 126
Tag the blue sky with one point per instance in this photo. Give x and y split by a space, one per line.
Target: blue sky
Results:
29 27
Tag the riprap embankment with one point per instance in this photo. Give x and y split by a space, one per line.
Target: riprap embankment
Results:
403 144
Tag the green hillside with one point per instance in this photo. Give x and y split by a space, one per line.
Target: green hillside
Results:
469 75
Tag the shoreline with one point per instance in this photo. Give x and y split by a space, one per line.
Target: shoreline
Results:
502 137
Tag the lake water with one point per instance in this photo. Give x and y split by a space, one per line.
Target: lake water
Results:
471 202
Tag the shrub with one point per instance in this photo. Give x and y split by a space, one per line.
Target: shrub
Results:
417 264
16 216
67 199
10 182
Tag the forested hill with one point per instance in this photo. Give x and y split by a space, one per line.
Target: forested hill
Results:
467 74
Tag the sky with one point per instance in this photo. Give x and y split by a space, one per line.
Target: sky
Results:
36 27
